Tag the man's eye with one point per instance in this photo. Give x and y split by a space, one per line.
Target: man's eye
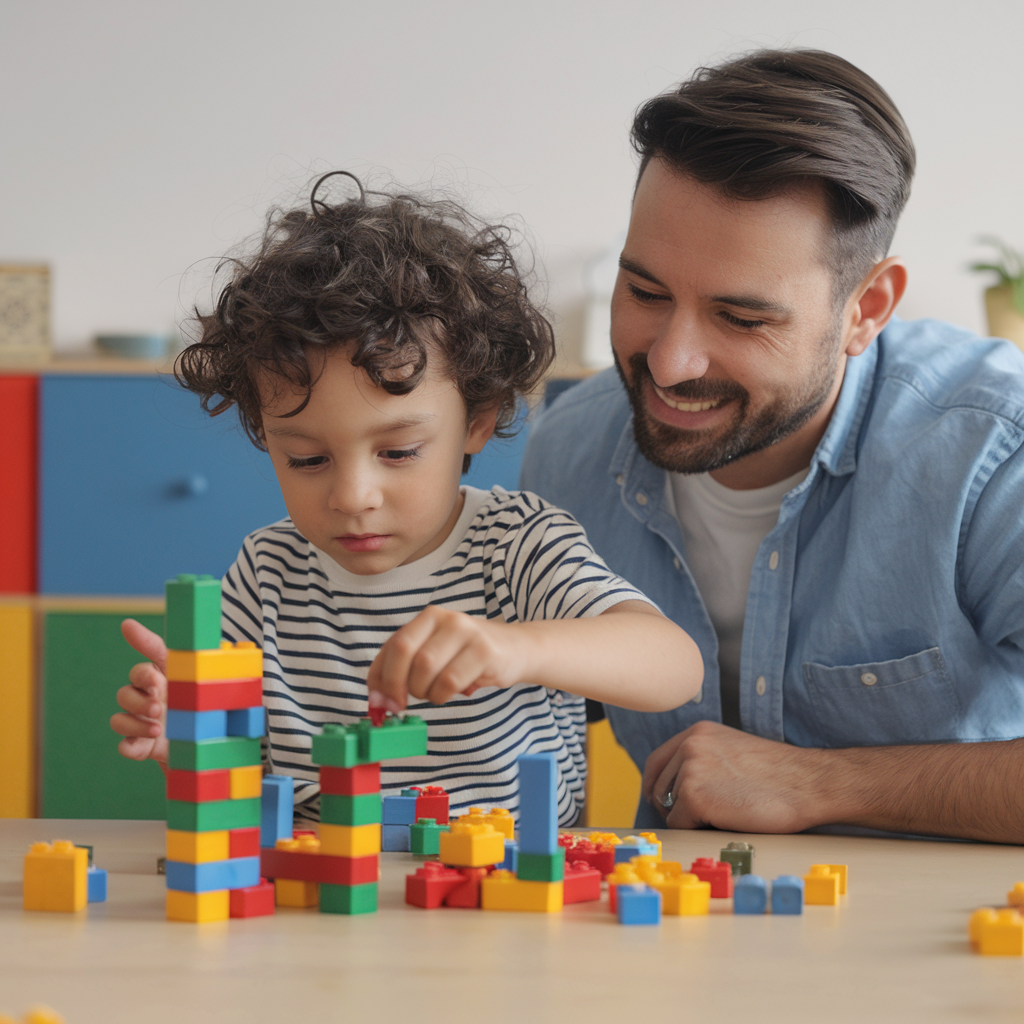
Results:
400 454
737 322
313 460
645 296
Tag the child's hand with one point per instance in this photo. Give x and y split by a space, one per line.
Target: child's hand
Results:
442 653
144 701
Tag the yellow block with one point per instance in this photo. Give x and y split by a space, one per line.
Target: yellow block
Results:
17 723
1003 936
246 782
291 893
843 872
197 847
243 660
499 818
1015 897
198 907
501 890
304 844
471 846
652 838
685 895
352 840
977 924
613 782
821 886
55 877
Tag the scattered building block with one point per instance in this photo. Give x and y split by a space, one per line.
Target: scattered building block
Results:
198 847
250 722
467 893
432 802
242 660
357 781
394 838
635 846
472 846
96 885
750 895
361 809
638 904
399 810
542 867
302 860
223 695
740 856
289 892
348 899
1002 935
243 842
199 787
717 872
511 861
192 617
624 874
229 752
598 855
844 874
428 886
788 895
212 816
1015 897
582 883
213 875
652 839
198 907
425 837
686 895
501 890
55 877
253 900
278 809
538 804
345 746
247 782
821 886
978 920
398 737
499 818
350 840
192 726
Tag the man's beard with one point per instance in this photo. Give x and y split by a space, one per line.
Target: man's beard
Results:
703 451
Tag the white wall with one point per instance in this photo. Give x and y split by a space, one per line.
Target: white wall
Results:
140 139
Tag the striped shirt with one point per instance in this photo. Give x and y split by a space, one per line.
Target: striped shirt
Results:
511 556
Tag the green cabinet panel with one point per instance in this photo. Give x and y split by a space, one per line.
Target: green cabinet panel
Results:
85 662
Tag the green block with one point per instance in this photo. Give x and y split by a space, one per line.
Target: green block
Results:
541 867
192 621
337 747
213 815
348 899
336 809
228 752
397 737
85 661
740 856
425 837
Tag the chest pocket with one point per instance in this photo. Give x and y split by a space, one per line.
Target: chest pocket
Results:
909 700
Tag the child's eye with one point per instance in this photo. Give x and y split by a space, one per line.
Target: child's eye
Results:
645 296
400 454
313 460
737 322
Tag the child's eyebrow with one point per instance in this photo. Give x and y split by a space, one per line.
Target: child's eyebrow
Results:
395 424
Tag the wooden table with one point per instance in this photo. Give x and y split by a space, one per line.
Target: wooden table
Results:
896 948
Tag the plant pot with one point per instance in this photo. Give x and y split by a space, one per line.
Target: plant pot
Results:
1004 319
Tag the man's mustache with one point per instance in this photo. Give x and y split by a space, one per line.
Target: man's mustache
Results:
700 390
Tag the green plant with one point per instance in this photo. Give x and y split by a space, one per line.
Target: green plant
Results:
1009 267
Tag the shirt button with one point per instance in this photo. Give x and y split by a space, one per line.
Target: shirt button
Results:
620 479
773 561
641 498
675 562
869 679
762 685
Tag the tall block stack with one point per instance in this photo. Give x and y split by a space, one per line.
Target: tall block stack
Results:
215 719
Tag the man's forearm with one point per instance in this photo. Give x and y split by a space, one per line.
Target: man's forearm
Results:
966 790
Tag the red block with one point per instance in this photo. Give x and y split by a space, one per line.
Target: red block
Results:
717 872
467 892
364 778
582 883
253 901
319 867
19 416
432 803
222 695
431 883
198 787
600 856
244 842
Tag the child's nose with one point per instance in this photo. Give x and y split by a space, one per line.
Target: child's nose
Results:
354 493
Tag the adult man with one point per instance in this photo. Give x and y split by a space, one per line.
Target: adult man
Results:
826 499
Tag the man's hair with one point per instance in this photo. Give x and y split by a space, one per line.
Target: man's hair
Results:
771 120
388 276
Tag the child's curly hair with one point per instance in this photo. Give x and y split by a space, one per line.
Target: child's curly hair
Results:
388 275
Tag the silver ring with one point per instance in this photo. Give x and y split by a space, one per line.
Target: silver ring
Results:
668 800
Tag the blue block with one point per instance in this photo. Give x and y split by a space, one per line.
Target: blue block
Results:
637 904
538 803
398 810
277 809
193 726
394 838
96 879
248 722
625 852
236 873
511 861
750 895
788 895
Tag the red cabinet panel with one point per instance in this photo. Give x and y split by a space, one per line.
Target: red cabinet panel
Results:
18 450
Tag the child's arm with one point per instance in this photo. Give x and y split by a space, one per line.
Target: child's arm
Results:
144 701
630 656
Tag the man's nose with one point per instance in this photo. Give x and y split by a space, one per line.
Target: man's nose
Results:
679 353
355 490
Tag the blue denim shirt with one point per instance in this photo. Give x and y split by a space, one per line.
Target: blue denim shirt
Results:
887 605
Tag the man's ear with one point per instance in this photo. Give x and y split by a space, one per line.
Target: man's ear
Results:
874 302
481 426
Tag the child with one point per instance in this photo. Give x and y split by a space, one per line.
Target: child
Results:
372 347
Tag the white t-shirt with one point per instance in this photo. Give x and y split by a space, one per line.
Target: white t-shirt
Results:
510 556
722 530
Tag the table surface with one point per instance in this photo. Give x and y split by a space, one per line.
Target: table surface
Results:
895 949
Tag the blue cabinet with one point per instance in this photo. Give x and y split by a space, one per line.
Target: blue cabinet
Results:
138 484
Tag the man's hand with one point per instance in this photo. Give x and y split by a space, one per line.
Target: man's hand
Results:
727 779
441 653
144 700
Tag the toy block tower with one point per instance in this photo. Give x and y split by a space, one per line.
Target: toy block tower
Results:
215 720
